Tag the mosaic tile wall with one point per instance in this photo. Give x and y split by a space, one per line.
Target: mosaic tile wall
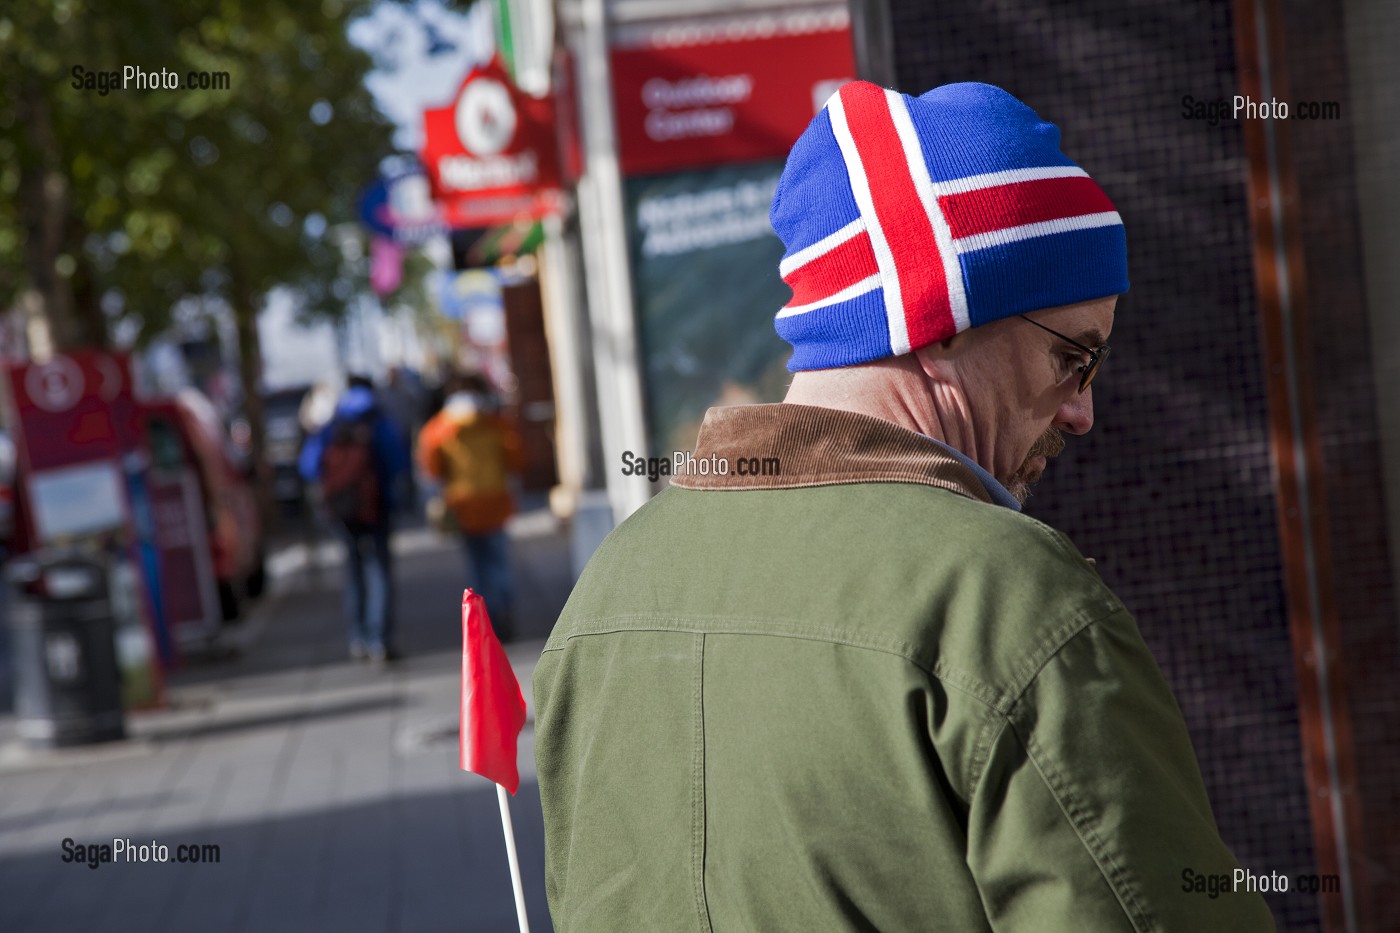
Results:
1172 490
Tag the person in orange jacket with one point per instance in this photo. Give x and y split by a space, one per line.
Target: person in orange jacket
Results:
472 450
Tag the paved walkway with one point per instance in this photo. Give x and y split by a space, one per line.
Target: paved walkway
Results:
331 790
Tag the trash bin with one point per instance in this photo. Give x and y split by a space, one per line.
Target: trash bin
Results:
66 679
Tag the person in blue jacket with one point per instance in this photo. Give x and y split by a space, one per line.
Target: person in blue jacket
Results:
356 459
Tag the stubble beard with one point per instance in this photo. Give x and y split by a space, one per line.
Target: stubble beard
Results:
1048 445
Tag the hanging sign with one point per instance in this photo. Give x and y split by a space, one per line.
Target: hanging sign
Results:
72 409
491 155
698 97
400 207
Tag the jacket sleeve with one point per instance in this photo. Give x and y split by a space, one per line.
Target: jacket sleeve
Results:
309 462
429 441
1090 812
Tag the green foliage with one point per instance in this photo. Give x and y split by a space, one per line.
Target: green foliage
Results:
171 193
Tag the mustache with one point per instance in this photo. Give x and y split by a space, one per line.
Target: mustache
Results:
1050 444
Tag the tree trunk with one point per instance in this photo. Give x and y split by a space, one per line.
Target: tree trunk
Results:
88 320
43 202
246 307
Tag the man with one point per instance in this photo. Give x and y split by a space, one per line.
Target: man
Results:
402 400
866 693
472 449
356 458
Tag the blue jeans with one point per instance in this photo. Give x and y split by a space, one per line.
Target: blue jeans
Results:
369 586
491 577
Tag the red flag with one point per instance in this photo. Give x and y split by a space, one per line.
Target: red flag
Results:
493 708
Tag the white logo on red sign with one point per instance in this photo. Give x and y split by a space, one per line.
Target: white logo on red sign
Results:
485 117
56 385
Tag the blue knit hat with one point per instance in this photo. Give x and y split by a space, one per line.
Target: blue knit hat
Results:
909 219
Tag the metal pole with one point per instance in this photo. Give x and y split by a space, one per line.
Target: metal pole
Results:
609 279
566 347
1301 480
509 831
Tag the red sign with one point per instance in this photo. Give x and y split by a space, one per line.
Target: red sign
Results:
73 409
490 156
733 100
188 598
75 418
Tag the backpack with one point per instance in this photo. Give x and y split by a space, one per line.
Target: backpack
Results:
474 463
349 480
472 460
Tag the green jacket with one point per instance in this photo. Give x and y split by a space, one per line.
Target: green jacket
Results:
858 696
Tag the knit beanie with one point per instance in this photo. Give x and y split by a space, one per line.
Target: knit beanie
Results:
909 219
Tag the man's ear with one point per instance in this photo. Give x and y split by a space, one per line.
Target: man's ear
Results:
936 359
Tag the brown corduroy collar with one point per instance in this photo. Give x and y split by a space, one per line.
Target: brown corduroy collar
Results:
813 446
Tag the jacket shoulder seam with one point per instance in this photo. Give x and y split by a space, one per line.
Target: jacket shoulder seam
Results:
800 629
1001 701
1073 628
1055 641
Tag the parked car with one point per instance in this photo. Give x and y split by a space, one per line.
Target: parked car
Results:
284 437
236 536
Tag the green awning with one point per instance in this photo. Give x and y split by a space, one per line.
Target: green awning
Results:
506 241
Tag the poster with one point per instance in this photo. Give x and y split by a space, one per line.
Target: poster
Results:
706 286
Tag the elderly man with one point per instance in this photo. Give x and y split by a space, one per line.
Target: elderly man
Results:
866 693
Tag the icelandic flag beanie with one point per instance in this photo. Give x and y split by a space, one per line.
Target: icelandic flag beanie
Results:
909 219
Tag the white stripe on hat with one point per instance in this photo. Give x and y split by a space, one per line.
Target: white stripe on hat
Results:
978 241
884 259
826 244
868 284
928 196
1009 177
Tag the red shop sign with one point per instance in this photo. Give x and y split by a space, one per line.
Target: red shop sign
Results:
730 100
74 418
490 155
73 408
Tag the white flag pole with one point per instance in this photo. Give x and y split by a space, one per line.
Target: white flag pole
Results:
509 831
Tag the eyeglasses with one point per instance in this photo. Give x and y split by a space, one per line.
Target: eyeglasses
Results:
1088 370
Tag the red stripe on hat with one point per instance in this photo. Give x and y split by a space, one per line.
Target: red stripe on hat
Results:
1023 202
908 231
829 273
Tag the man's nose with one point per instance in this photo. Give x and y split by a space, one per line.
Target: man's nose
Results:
1076 415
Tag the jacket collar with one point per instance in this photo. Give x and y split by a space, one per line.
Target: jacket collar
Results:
826 447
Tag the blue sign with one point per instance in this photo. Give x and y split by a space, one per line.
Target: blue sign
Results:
401 207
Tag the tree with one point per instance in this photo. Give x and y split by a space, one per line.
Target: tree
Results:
117 202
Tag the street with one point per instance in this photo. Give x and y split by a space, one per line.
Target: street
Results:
330 789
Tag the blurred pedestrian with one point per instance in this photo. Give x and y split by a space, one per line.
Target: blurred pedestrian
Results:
844 684
472 449
404 401
356 458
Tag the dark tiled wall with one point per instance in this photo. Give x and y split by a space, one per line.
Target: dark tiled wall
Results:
1172 490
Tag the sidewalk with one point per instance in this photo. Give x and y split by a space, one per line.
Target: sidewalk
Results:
331 790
